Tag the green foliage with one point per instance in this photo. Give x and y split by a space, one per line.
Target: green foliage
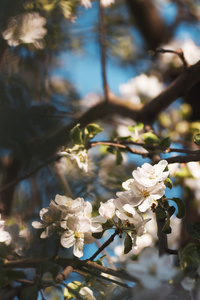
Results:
190 259
136 128
197 139
82 137
166 142
193 230
90 131
168 183
166 228
150 139
76 135
181 207
128 243
73 288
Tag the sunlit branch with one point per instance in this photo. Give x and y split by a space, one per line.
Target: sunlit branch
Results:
122 144
64 262
107 278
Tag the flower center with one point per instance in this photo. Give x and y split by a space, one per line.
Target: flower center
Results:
145 193
152 270
47 218
128 214
79 235
152 174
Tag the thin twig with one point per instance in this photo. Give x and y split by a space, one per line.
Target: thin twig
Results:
103 49
108 242
107 278
178 52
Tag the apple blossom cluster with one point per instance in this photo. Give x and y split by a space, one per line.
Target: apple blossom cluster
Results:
104 3
73 218
4 235
146 186
26 28
152 271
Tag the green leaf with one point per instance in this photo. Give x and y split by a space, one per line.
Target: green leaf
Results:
160 214
29 292
197 139
98 235
168 183
91 130
128 244
76 135
150 138
171 211
166 142
181 207
119 157
166 228
193 230
137 127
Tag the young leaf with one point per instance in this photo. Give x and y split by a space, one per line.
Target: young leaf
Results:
150 138
76 135
92 129
193 230
128 244
171 211
197 139
181 207
168 183
166 142
119 157
166 228
137 127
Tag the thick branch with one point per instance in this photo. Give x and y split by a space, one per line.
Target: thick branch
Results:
178 88
64 263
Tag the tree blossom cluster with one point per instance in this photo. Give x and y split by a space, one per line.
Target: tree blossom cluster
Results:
4 235
73 218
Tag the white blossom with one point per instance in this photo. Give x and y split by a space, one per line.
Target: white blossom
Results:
107 209
190 49
141 86
4 235
142 196
78 234
126 212
50 219
26 28
152 270
87 293
149 175
106 3
86 3
188 283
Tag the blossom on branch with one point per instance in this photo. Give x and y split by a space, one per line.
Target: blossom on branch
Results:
106 3
146 186
50 219
4 235
77 234
27 28
151 270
